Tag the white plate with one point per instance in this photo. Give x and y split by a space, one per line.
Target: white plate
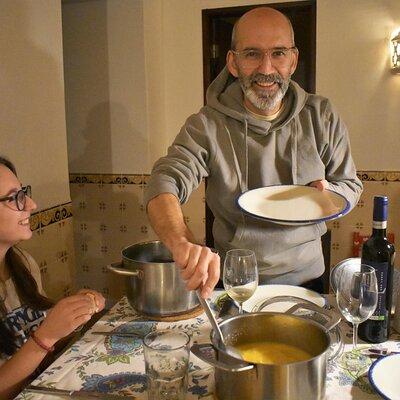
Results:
293 204
264 292
384 376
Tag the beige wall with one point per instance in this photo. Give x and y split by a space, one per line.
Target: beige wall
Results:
105 86
33 133
361 86
32 112
157 79
353 71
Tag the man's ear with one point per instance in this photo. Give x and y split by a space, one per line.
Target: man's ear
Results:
294 62
231 64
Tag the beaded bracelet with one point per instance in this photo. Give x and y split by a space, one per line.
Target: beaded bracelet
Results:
41 344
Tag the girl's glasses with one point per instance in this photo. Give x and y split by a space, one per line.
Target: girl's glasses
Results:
19 198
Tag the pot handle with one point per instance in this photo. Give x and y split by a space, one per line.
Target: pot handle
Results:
332 320
116 267
207 353
328 321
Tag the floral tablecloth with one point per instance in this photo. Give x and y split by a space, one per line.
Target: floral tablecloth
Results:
115 364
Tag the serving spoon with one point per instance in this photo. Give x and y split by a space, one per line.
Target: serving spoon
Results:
230 350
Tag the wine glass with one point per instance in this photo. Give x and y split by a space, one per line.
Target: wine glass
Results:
357 297
240 275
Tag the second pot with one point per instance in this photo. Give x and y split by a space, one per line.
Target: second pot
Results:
153 283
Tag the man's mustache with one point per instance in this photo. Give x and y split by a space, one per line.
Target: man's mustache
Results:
270 78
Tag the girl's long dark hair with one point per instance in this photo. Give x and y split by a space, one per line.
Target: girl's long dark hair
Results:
25 284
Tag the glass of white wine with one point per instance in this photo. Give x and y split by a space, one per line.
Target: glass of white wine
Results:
240 275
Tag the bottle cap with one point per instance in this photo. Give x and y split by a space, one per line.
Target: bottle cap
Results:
380 208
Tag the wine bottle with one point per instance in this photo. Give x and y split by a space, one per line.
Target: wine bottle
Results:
378 252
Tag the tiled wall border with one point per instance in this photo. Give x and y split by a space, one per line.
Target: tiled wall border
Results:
43 218
142 179
379 176
109 179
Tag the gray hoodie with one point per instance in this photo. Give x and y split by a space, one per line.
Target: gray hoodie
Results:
238 152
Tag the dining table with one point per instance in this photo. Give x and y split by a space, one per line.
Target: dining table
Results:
114 364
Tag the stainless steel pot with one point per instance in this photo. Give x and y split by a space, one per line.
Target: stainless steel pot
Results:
235 379
153 283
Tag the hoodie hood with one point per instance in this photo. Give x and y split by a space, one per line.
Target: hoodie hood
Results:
226 96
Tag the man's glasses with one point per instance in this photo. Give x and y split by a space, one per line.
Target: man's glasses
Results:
253 58
19 198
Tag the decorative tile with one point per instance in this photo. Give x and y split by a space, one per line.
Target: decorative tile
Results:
339 253
110 215
52 248
146 178
359 221
389 176
35 221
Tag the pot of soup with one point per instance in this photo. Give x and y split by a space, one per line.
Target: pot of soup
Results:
284 357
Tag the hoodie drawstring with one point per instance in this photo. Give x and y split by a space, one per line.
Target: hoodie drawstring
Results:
246 156
293 148
243 180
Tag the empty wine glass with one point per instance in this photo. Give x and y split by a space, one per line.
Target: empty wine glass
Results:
357 297
240 275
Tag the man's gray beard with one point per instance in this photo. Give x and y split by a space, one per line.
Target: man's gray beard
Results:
268 102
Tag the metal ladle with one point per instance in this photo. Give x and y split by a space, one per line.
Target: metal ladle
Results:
230 350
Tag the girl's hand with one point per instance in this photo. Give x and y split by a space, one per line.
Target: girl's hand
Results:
67 315
97 298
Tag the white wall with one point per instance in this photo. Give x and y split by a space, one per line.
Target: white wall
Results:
105 86
32 112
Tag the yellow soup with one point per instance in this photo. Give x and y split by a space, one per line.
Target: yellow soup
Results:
271 353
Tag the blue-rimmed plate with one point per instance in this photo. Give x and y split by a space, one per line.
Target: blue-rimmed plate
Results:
293 204
384 376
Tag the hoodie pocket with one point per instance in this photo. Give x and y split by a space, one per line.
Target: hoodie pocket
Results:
268 238
238 235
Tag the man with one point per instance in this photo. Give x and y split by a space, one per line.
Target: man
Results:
260 130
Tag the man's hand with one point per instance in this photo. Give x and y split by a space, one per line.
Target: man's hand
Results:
320 185
200 267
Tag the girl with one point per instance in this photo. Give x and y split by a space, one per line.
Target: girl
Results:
27 332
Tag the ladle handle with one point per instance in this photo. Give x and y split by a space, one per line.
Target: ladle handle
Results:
207 353
210 315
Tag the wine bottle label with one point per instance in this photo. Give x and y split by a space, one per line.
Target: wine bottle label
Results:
381 271
379 224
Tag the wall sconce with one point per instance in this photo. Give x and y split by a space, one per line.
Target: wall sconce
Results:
395 53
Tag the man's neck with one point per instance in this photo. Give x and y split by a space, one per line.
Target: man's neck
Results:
265 113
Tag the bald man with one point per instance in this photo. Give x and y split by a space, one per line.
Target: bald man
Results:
261 129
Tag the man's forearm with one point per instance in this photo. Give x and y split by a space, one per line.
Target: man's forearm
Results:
166 218
199 265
